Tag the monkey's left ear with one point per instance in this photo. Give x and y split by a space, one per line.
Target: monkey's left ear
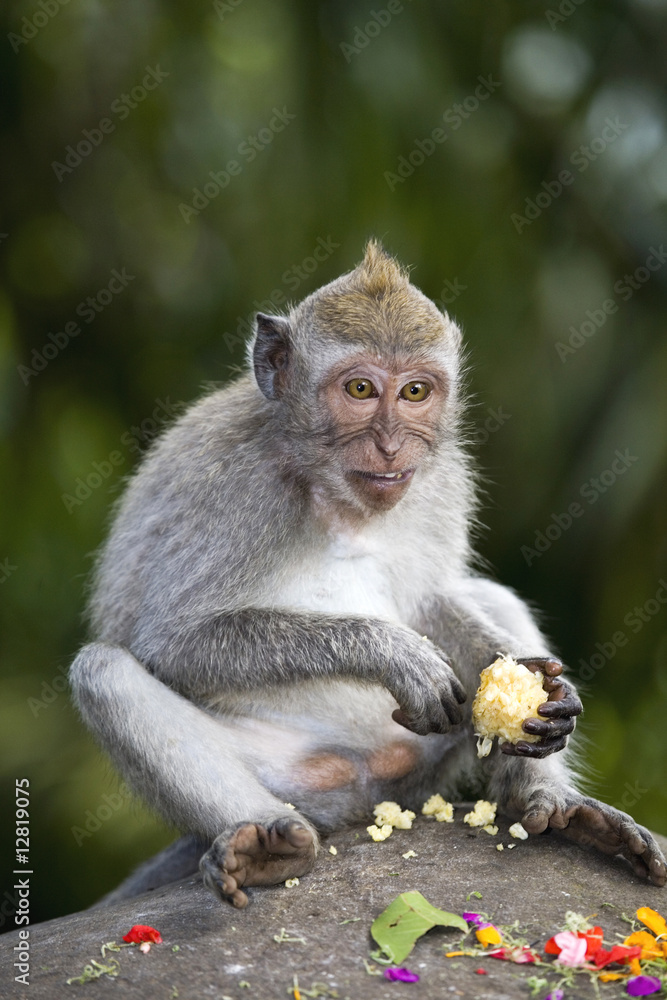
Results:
271 354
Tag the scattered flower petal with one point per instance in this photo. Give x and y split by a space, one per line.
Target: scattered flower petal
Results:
142 932
488 935
401 975
145 947
517 955
642 986
653 921
610 977
593 937
481 972
619 953
475 918
555 995
648 944
572 948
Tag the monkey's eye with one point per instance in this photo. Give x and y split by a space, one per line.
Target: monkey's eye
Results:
361 388
415 391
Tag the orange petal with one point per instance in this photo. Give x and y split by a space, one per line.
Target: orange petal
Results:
453 954
653 920
635 967
649 946
488 935
610 977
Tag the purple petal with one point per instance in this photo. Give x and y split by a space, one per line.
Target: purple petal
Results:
555 995
401 975
642 986
476 919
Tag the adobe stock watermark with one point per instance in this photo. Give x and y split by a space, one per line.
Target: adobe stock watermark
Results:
31 26
363 36
565 11
121 108
292 279
88 309
454 117
495 419
634 621
6 569
225 7
49 691
248 150
624 289
590 491
133 439
94 820
581 158
449 293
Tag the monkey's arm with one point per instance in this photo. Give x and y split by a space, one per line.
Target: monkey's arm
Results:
477 624
257 647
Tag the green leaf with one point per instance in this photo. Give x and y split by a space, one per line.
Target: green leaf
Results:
405 920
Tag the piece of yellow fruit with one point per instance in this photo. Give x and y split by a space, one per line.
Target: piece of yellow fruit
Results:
483 814
436 806
508 694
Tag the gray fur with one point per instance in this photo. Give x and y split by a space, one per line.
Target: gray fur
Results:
234 634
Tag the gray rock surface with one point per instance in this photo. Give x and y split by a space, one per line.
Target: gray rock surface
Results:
211 950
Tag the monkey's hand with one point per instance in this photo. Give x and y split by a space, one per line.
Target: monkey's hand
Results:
428 691
590 822
560 709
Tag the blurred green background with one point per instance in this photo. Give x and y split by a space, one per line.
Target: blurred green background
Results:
441 128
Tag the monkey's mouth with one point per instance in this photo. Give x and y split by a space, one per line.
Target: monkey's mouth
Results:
385 479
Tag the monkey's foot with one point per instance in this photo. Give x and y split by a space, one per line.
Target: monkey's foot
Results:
253 854
590 822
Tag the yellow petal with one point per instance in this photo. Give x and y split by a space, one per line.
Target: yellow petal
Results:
453 954
610 977
649 946
488 935
653 920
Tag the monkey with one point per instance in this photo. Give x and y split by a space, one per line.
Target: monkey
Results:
288 619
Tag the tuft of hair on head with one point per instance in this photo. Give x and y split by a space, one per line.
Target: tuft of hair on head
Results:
379 273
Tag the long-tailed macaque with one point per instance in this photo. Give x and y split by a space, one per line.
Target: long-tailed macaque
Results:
286 610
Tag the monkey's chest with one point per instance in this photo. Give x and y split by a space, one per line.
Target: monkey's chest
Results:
348 578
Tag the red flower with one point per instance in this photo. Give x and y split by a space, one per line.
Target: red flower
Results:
593 938
619 953
141 932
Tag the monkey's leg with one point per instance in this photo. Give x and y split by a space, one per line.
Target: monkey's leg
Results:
540 793
185 763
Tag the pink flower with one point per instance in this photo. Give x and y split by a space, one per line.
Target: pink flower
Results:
642 986
572 948
401 975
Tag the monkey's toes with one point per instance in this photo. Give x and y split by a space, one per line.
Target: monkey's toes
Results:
287 836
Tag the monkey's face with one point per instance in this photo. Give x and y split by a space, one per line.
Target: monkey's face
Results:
384 417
